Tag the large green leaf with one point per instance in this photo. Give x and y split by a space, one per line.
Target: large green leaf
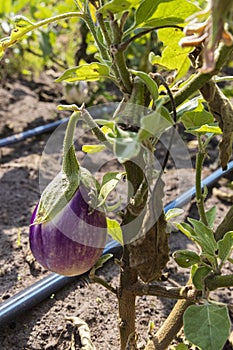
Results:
155 123
155 13
173 56
87 72
197 118
207 326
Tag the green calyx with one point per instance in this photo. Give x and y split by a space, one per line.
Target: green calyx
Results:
63 187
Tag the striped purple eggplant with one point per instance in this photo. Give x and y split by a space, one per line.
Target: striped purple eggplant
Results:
72 241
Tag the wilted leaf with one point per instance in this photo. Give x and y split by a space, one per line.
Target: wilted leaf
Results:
207 326
84 333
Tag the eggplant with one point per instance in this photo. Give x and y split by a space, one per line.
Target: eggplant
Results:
72 241
67 232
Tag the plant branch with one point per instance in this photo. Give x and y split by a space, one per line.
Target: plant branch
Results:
171 326
119 58
123 46
186 292
102 282
199 194
89 22
95 127
219 281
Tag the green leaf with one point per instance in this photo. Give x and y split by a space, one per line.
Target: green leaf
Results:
186 229
110 181
125 144
172 213
22 26
154 124
114 230
197 118
5 7
205 129
225 246
116 6
186 258
100 263
155 13
93 148
211 216
87 72
205 237
207 326
187 106
173 56
199 276
150 83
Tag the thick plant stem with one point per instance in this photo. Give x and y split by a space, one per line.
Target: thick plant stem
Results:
128 275
119 59
126 300
171 326
199 195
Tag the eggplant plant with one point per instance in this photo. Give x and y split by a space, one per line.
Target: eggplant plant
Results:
178 84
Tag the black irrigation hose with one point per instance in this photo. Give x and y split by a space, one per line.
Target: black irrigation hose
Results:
42 129
33 295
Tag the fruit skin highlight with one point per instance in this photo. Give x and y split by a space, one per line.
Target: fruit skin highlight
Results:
73 240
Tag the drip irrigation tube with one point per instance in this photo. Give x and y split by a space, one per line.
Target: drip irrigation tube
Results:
33 295
42 129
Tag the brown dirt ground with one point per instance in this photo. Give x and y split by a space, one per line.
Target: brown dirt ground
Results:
24 105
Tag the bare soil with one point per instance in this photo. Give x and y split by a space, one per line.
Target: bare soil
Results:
26 104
